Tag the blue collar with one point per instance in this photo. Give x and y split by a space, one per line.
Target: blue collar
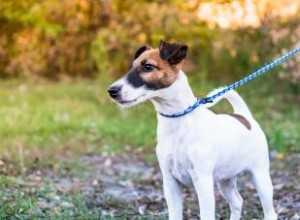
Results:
191 108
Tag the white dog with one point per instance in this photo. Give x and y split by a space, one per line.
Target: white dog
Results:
202 147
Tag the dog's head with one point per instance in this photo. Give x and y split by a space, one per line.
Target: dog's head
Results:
150 71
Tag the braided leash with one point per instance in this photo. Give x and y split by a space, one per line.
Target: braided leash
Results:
248 78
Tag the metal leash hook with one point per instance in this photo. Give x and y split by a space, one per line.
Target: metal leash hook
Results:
207 100
248 78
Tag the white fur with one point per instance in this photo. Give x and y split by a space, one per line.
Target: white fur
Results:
203 148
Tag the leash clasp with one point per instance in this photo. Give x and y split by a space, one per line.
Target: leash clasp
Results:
206 100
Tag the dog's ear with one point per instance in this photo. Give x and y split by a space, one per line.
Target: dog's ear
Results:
174 53
138 53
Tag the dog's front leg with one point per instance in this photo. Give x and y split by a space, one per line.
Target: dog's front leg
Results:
204 186
173 195
172 188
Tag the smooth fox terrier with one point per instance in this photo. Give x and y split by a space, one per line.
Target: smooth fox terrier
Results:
201 147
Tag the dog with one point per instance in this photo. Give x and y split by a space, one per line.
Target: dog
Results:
200 148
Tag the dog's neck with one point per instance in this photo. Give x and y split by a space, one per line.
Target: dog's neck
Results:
176 98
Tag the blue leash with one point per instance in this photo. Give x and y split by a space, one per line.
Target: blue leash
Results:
234 85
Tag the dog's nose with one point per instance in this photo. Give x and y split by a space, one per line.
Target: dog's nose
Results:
114 91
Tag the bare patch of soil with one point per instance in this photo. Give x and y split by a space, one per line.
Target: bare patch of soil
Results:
115 186
126 183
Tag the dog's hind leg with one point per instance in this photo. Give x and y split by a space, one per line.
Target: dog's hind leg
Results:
264 187
228 190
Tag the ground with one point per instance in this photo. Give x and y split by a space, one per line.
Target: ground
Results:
124 186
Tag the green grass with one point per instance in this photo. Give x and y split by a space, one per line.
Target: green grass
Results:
38 119
69 116
20 201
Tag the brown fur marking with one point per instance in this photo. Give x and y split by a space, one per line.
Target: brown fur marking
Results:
242 119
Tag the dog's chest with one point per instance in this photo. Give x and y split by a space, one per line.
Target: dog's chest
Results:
181 169
172 148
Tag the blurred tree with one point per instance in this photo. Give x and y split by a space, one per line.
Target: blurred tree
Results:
57 38
49 38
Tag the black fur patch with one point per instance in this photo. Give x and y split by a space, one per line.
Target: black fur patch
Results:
134 79
138 53
174 53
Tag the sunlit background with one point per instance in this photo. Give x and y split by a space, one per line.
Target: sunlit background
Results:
249 13
57 58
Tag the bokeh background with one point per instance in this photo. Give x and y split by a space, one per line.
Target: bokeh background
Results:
57 58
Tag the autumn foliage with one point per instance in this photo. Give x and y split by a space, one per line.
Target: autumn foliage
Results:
83 38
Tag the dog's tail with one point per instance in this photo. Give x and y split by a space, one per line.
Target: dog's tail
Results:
236 101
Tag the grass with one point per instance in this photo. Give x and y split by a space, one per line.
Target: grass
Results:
41 125
44 124
20 201
37 119
47 119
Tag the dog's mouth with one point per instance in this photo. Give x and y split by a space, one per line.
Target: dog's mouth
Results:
128 102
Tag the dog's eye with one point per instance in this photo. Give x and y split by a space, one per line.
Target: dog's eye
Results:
148 67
